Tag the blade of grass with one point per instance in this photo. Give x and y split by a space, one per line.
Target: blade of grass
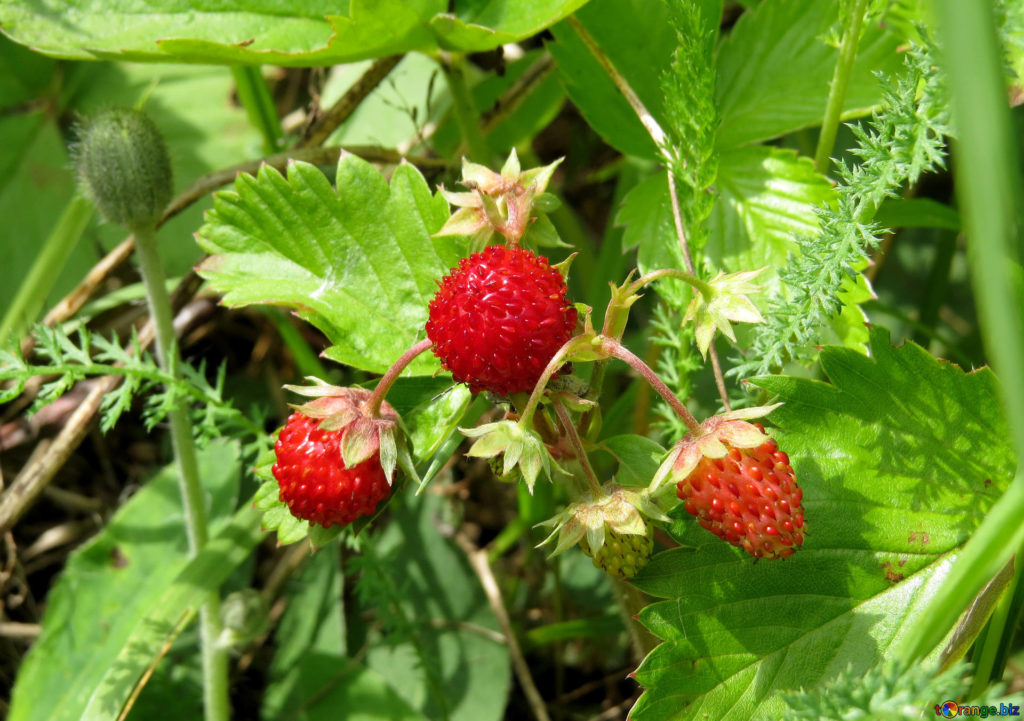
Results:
32 292
988 186
255 97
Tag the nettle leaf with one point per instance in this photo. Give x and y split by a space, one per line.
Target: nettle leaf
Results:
774 70
285 32
359 263
899 458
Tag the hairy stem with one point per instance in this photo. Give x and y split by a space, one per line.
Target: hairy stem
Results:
215 661
617 350
377 397
577 446
684 247
552 367
840 81
677 219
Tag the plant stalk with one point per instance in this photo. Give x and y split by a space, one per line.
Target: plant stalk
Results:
25 307
631 602
577 445
388 379
215 660
684 247
255 97
617 350
466 115
526 418
840 81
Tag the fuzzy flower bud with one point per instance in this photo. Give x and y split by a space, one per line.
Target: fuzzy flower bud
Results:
123 167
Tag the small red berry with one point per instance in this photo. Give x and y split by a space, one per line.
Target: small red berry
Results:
749 498
314 482
498 319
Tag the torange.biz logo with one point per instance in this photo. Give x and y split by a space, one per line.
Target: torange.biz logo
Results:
951 709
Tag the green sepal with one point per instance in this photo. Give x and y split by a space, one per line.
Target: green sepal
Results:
360 440
546 202
541 233
388 453
522 447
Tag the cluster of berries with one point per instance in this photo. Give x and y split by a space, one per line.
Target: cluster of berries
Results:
497 322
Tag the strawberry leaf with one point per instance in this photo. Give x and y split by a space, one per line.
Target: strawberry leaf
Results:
287 32
899 458
775 66
358 263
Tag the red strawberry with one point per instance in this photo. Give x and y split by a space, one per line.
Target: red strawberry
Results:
749 497
498 319
314 481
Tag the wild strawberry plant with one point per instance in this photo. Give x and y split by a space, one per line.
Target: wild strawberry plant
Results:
608 362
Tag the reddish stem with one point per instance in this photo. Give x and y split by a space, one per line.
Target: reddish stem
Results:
552 367
377 397
617 350
577 445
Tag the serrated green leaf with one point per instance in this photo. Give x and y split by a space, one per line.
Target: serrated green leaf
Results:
638 458
775 67
899 459
766 197
289 33
109 588
358 263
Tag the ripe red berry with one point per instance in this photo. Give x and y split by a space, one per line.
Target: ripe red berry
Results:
499 317
749 498
314 481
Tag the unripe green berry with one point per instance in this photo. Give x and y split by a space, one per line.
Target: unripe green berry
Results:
497 464
623 554
123 166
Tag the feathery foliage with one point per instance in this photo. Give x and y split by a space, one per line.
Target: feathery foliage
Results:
689 90
68 362
888 691
688 87
903 140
